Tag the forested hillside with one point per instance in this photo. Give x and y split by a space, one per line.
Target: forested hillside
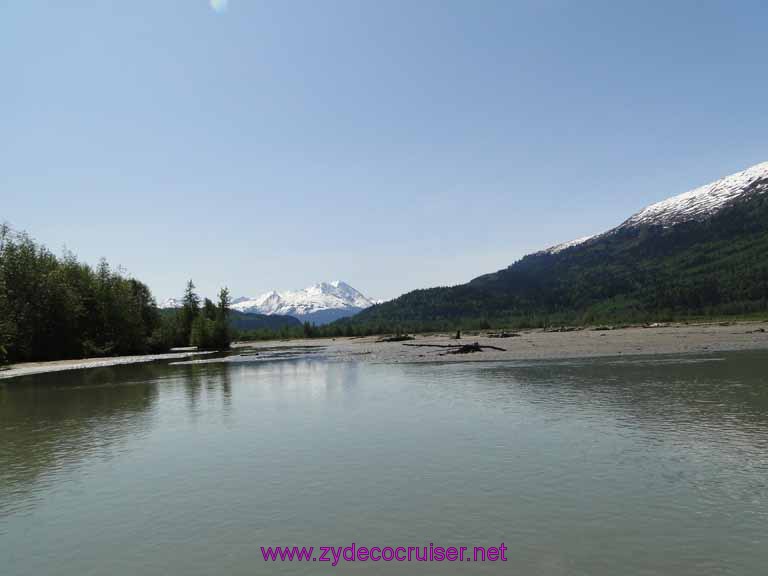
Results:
55 307
708 267
241 321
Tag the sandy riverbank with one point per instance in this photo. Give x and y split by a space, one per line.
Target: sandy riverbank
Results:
28 368
538 344
526 345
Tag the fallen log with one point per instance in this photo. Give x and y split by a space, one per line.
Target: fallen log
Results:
399 338
433 345
459 348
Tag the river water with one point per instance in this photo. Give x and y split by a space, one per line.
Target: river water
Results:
595 467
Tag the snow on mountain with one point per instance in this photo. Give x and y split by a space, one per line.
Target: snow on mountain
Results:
170 303
697 204
268 303
319 303
560 247
704 201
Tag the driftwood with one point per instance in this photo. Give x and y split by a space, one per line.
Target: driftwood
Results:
471 348
401 338
458 348
433 345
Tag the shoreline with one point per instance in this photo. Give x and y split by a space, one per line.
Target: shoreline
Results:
537 344
32 368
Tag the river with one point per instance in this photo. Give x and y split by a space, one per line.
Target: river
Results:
650 465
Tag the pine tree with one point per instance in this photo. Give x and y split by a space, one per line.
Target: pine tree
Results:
224 302
210 310
222 335
201 333
189 311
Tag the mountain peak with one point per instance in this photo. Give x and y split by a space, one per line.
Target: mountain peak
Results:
697 204
700 253
319 303
170 303
703 201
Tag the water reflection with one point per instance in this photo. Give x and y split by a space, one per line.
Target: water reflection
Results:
658 461
656 391
50 423
703 420
53 421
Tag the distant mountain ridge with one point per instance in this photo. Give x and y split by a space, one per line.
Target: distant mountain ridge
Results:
319 304
241 321
703 252
695 205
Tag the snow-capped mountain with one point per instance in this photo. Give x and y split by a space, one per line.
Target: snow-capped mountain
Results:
560 247
697 204
320 303
702 202
170 303
701 253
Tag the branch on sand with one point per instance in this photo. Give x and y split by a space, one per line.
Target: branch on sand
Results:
458 348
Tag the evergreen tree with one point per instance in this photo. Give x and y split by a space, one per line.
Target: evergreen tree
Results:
202 333
53 308
189 311
222 335
209 329
224 302
209 309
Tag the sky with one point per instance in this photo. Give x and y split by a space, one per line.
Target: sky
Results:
391 144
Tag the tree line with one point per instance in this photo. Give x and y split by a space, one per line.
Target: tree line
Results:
55 307
201 324
307 330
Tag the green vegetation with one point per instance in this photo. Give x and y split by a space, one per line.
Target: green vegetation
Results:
210 329
708 269
291 332
6 326
242 322
204 325
55 308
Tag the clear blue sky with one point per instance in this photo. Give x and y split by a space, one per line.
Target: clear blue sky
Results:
392 144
